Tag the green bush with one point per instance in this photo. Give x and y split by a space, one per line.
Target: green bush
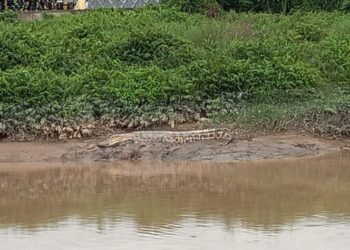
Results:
252 80
346 5
162 49
8 16
157 64
194 6
18 47
279 6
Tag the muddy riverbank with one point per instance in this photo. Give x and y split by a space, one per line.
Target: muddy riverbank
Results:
264 147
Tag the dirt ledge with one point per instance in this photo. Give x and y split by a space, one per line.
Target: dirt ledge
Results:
264 147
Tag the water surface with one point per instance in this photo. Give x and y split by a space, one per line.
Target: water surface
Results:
289 204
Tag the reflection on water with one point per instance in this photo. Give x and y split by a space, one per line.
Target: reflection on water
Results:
287 204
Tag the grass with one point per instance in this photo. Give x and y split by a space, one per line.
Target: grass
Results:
157 65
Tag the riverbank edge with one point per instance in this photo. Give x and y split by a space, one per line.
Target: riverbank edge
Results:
55 151
337 129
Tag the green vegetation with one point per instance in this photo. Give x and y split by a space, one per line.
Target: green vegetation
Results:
158 66
276 6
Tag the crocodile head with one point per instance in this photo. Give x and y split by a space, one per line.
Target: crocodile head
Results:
115 139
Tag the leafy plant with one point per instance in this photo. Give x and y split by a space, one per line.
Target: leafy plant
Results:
159 65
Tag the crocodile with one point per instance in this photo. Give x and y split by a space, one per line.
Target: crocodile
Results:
178 137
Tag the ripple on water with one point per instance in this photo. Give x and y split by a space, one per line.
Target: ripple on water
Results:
289 204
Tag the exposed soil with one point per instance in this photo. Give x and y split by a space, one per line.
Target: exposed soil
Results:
266 147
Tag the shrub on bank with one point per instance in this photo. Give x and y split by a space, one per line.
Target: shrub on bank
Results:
279 6
159 65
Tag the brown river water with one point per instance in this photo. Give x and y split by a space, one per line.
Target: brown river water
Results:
282 204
